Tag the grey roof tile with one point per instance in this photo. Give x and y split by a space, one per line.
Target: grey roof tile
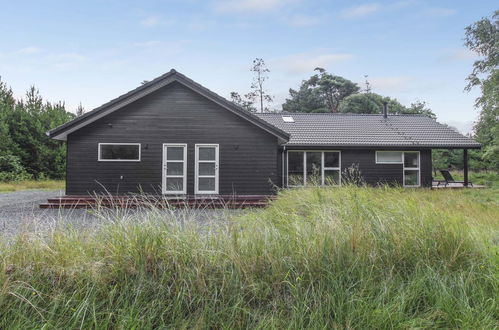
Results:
327 129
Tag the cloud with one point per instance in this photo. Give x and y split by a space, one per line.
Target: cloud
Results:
153 48
440 12
66 60
403 4
154 21
303 63
360 11
249 5
304 20
28 50
201 24
146 44
390 84
459 54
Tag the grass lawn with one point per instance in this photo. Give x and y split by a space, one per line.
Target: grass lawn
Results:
344 257
26 185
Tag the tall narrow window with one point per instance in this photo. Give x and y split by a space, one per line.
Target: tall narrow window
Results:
314 168
296 167
412 171
332 172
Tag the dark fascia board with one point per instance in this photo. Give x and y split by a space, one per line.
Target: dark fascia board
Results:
61 132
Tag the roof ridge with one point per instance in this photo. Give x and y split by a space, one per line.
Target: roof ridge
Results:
402 134
342 114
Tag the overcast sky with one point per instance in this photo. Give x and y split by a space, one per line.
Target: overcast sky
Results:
92 51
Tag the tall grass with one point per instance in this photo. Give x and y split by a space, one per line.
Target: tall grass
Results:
32 184
318 257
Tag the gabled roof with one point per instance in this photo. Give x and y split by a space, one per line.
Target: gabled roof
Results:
61 132
358 130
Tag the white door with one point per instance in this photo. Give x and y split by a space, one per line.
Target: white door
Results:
174 168
206 169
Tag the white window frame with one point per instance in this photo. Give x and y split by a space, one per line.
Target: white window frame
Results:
118 160
196 169
403 165
411 169
330 168
379 162
164 168
305 166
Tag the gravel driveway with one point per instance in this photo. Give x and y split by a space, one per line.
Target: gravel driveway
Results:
20 212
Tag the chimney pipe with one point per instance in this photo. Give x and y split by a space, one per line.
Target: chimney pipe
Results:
385 109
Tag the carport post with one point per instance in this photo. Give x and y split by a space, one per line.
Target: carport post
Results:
465 166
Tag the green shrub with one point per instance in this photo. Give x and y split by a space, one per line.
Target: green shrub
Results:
11 169
324 258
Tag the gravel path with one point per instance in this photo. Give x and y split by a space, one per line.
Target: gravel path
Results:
20 212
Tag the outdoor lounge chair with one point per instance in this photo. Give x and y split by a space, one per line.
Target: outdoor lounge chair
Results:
449 179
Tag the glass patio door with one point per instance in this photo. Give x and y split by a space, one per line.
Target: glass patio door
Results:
206 169
174 168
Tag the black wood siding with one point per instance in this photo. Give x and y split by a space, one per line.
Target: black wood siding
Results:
375 174
174 114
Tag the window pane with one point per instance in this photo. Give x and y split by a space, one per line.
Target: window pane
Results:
331 177
206 184
389 157
331 159
119 152
175 153
206 153
411 177
206 168
174 184
295 168
411 159
314 172
175 168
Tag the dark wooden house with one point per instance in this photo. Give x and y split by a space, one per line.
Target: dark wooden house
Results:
172 136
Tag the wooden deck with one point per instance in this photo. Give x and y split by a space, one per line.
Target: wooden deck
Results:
435 185
218 201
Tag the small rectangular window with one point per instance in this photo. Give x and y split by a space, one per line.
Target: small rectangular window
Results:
288 119
388 157
119 152
314 168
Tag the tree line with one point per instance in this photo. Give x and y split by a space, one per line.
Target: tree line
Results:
26 152
322 92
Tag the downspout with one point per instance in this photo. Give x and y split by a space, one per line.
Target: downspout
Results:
282 170
465 167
